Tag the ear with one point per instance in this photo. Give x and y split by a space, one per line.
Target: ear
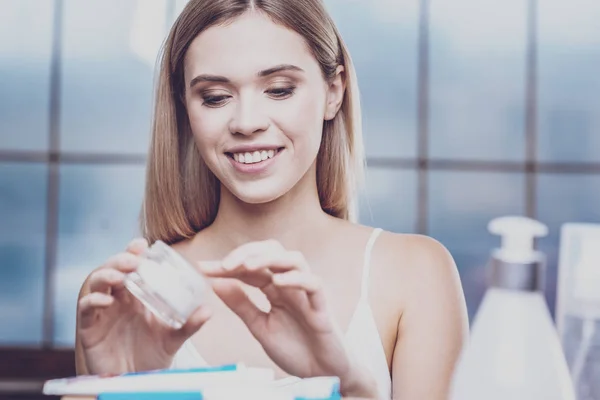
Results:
335 93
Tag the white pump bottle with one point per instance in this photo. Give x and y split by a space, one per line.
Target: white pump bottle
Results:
578 305
514 351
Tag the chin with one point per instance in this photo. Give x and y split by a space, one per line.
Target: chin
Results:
258 194
258 198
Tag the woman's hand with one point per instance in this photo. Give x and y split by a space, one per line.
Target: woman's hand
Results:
115 332
298 332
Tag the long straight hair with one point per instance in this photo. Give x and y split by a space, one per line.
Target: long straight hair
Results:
182 194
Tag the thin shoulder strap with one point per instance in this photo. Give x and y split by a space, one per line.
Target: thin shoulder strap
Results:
364 290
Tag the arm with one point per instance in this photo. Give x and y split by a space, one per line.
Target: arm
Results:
433 327
80 364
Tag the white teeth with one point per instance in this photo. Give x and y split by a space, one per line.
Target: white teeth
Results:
254 157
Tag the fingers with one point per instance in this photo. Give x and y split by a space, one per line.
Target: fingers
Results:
123 262
198 318
255 257
89 304
306 282
261 264
257 278
280 261
257 269
298 280
236 257
108 280
103 280
137 246
111 275
194 322
234 297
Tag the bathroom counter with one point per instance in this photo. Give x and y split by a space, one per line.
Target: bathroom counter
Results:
92 398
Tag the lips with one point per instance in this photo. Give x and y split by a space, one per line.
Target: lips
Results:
254 157
255 160
253 153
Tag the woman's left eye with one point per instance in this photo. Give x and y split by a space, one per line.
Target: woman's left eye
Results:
281 93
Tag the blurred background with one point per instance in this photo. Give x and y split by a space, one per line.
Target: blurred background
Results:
472 109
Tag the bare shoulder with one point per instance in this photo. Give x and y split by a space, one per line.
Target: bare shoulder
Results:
411 256
414 273
422 279
403 255
410 268
422 266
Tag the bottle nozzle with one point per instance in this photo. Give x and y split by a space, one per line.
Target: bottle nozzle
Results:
518 236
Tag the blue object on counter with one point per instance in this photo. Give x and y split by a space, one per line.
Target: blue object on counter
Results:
221 368
151 396
335 395
176 396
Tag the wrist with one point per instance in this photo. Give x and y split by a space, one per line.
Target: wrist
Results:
359 382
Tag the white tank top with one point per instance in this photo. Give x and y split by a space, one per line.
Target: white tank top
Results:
362 336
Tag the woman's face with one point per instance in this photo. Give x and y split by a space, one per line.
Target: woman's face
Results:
256 101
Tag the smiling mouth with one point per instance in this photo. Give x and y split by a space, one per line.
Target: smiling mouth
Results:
254 157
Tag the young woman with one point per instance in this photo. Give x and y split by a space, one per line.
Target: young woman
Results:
255 158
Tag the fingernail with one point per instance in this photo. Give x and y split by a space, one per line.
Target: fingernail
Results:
250 264
137 245
131 261
139 242
228 264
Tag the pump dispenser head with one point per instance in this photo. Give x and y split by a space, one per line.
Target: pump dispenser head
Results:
516 264
518 237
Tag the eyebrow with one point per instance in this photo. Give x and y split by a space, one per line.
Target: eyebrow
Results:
261 74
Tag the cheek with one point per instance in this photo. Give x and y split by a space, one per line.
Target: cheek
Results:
302 118
207 126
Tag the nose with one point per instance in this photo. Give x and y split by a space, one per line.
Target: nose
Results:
248 118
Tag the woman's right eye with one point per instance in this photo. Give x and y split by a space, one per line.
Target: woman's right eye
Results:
215 101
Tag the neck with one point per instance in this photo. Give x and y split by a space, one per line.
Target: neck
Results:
293 219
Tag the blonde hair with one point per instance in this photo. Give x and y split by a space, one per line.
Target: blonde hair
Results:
182 194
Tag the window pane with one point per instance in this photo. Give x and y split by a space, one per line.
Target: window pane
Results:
390 201
26 48
109 51
569 83
561 199
460 206
477 79
382 38
98 216
22 250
